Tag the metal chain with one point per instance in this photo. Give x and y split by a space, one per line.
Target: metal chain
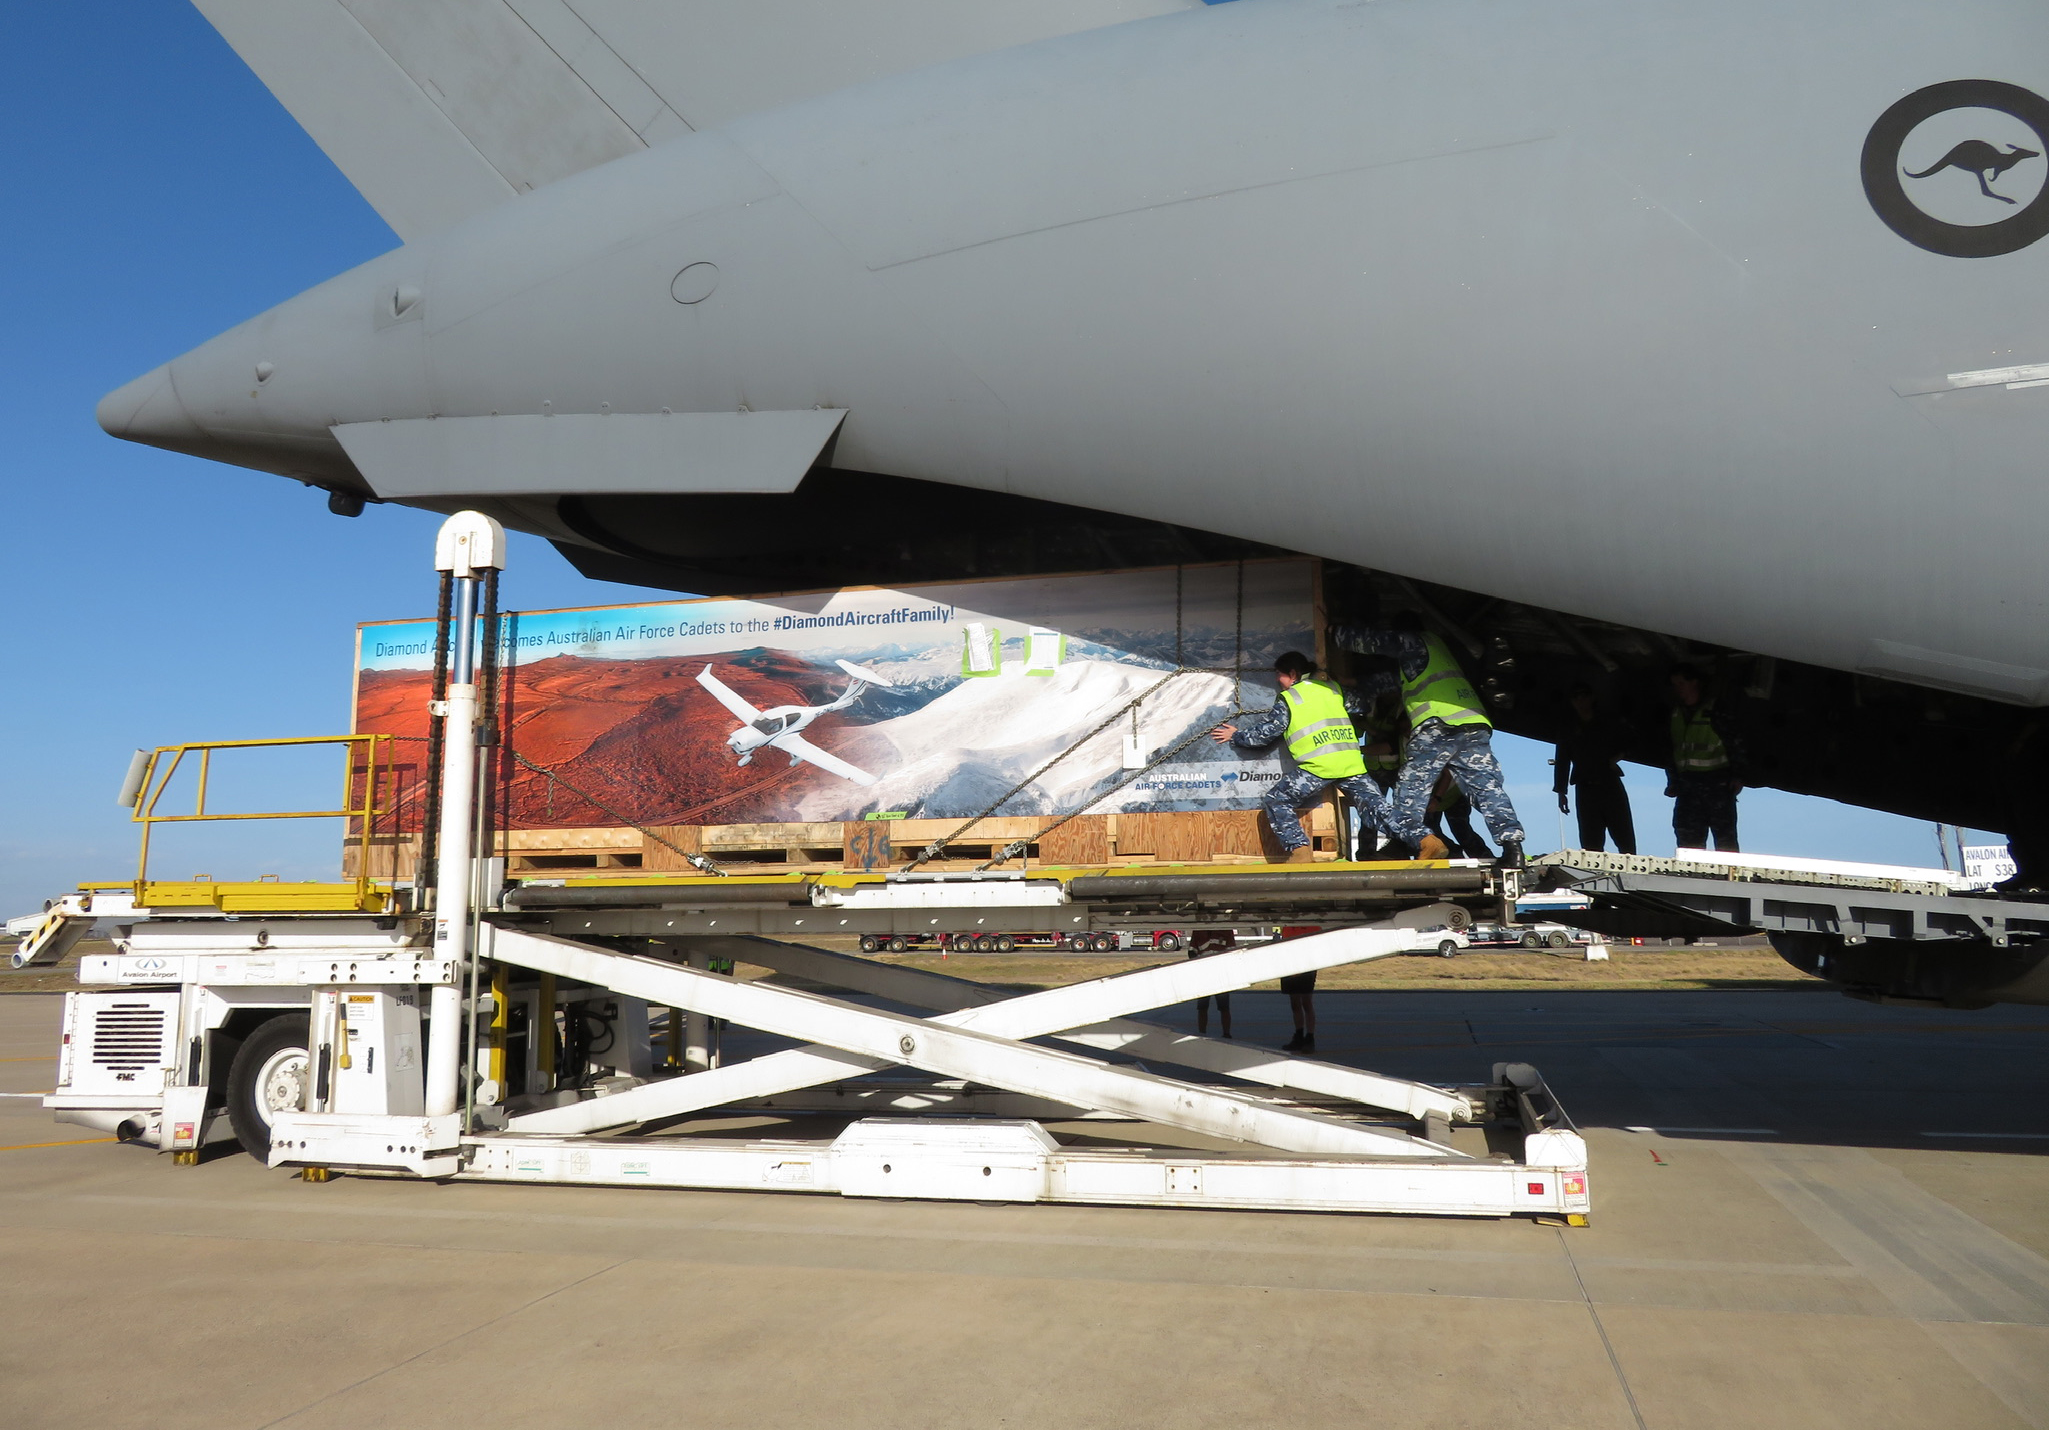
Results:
938 846
1018 846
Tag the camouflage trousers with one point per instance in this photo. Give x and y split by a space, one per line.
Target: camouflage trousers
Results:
1468 751
1301 789
1704 804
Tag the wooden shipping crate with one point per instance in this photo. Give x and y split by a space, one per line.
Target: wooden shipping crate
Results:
1188 837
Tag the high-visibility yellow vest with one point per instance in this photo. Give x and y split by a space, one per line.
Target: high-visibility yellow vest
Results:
1374 734
1386 763
1696 748
1320 733
1441 691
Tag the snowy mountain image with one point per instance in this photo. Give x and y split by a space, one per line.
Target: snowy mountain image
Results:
607 717
968 746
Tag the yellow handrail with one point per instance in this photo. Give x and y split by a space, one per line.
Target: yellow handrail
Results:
165 761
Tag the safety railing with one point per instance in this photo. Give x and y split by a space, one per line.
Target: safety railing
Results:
369 758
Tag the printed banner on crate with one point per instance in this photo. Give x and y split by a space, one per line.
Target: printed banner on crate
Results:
925 702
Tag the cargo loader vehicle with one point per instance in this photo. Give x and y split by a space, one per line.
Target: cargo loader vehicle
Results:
472 1027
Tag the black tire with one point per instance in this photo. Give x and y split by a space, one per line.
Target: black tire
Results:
1169 943
899 945
1533 939
266 1057
1448 948
869 943
1557 940
1005 943
1105 942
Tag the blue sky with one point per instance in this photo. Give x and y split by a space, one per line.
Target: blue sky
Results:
160 195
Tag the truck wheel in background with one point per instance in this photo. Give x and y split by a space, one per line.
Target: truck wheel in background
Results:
1557 940
870 943
268 1076
1533 939
1170 943
899 945
1104 942
1448 948
1005 943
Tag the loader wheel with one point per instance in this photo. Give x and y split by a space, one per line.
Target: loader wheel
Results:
269 1075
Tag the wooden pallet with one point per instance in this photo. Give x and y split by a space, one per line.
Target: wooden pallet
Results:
1198 837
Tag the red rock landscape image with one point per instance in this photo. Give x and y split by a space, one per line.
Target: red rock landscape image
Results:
597 742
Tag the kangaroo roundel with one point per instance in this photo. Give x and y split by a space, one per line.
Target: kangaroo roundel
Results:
1959 168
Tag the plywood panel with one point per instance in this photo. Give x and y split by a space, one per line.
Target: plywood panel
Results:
994 830
687 837
866 844
772 836
1084 839
391 857
1180 837
1234 831
522 841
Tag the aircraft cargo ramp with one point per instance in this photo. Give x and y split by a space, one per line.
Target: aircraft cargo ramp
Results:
1884 935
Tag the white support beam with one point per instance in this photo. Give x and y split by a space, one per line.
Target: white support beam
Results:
919 988
954 1051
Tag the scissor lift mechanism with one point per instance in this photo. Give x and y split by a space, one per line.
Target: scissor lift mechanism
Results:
949 1082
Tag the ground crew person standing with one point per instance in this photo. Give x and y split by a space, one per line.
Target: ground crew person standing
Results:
1448 729
1703 778
1588 758
1382 730
1315 718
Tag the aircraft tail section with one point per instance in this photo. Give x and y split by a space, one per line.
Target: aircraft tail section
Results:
437 111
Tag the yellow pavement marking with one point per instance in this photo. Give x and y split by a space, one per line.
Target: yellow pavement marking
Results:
76 1142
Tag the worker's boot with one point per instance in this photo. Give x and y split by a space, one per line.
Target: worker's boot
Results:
1433 848
1511 854
1301 855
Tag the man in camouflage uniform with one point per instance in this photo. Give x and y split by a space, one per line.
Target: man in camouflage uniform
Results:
1449 729
1315 718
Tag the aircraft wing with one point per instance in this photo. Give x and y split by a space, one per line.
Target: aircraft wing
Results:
803 749
725 695
438 111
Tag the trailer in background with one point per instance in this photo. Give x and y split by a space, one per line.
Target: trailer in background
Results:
1028 940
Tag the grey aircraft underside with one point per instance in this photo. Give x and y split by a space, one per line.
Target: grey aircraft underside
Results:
1607 332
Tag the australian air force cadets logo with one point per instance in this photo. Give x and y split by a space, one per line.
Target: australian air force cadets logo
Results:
1958 168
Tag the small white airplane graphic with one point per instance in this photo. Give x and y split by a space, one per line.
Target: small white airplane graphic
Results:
783 726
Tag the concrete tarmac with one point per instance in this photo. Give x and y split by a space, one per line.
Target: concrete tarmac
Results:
1807 1212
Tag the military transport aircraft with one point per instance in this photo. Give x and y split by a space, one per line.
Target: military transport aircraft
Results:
783 726
1604 333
